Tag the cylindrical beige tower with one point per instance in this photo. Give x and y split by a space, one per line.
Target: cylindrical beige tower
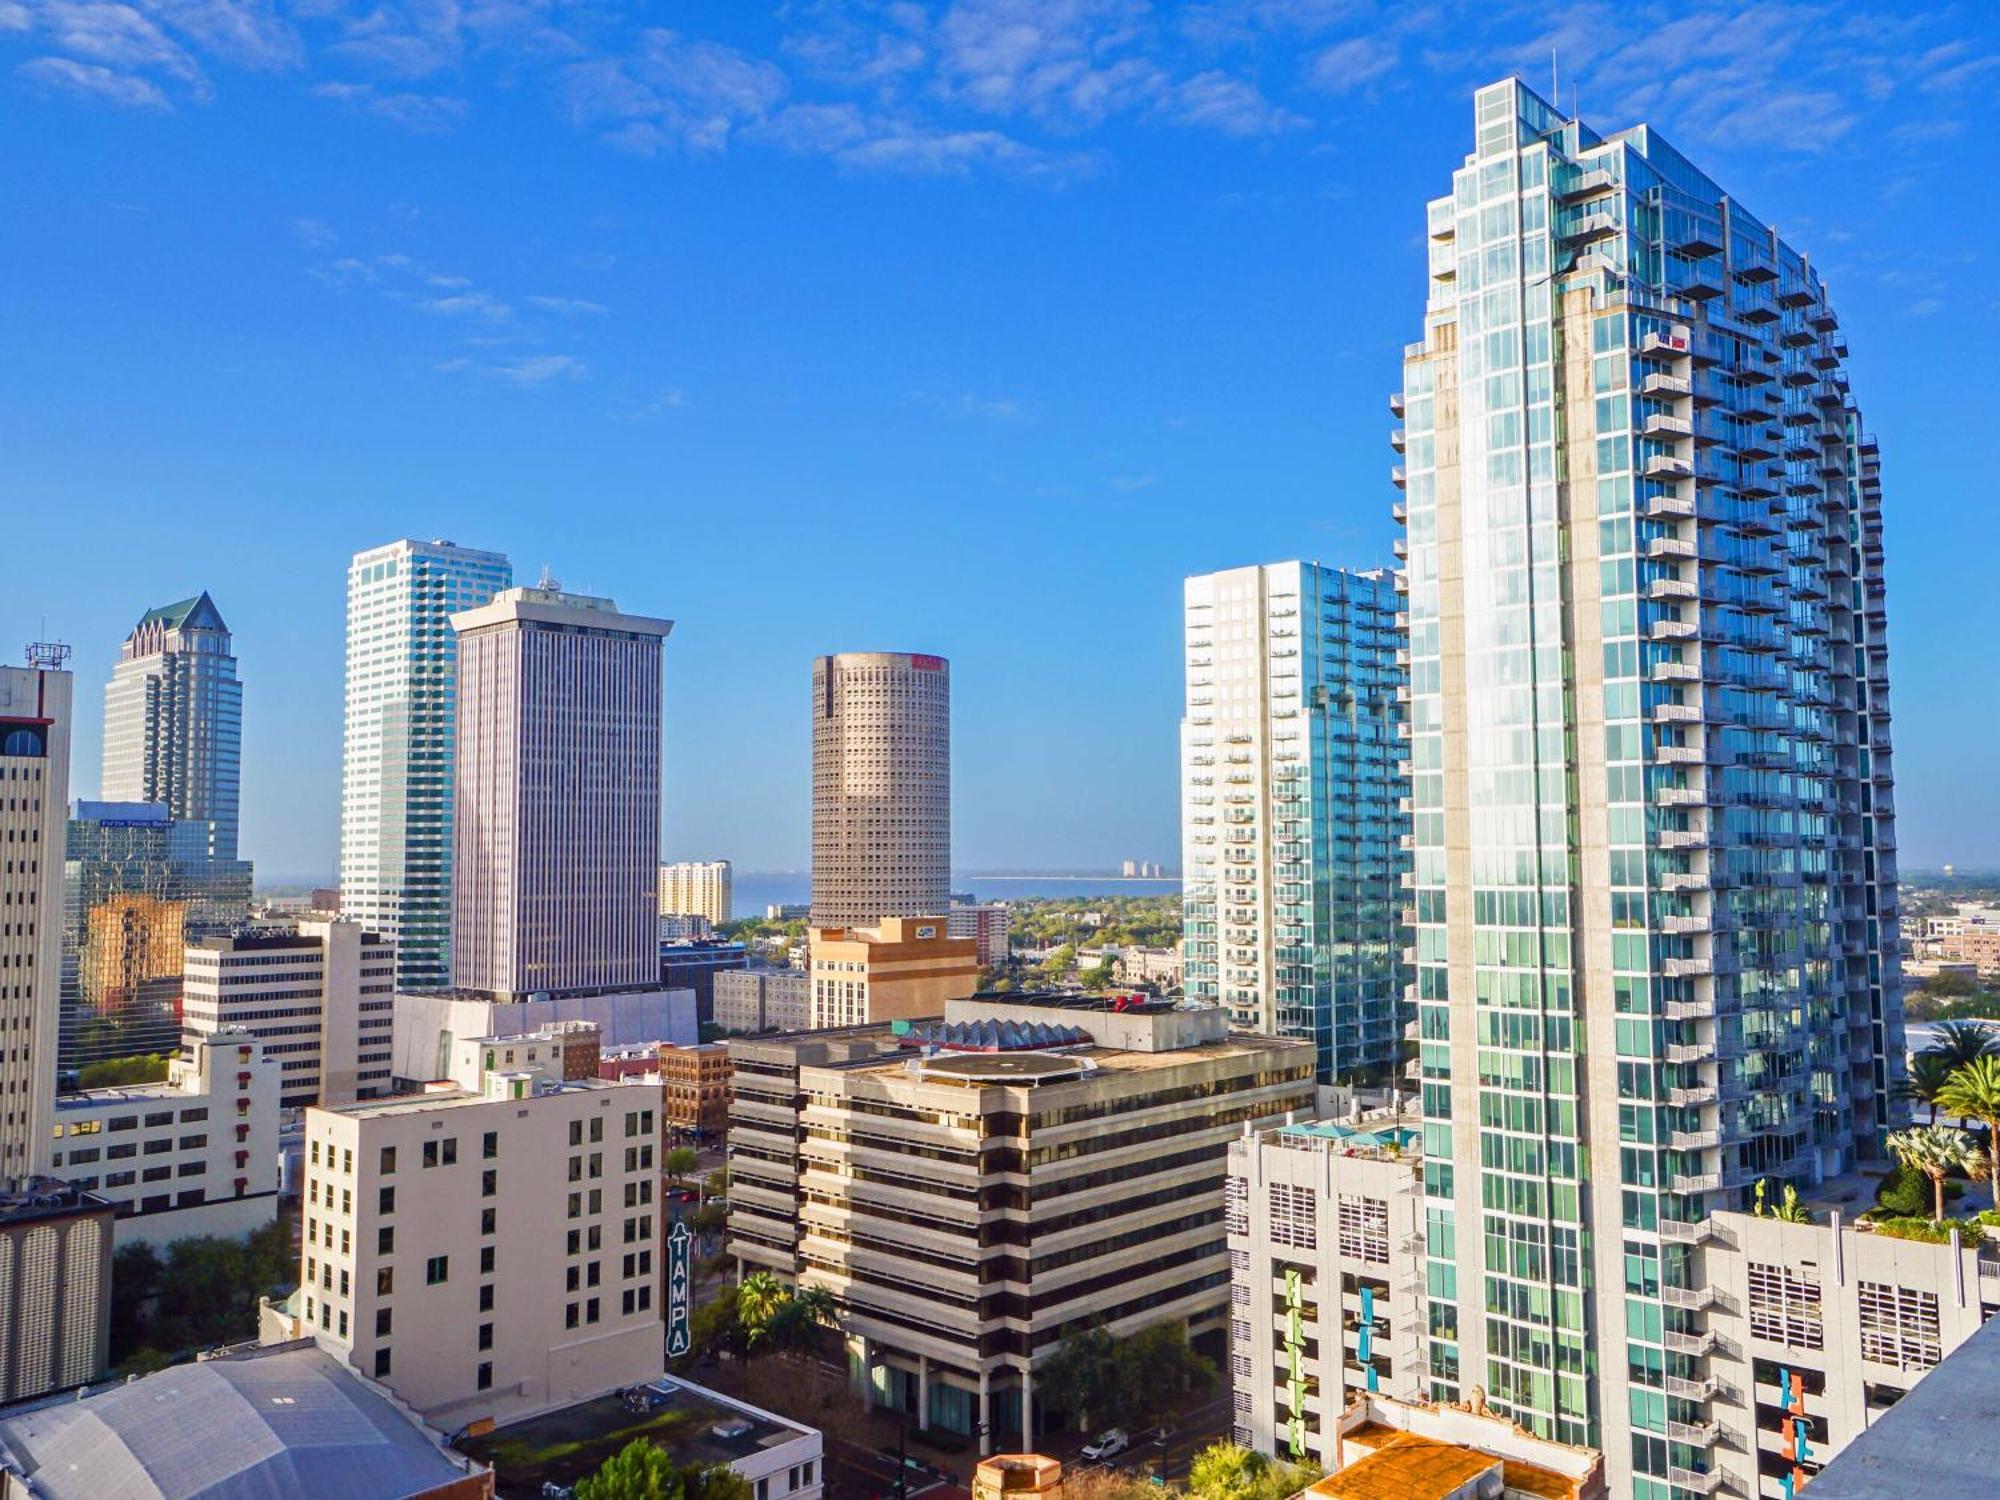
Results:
881 787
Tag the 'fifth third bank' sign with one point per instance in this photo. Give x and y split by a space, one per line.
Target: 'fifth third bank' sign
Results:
679 1290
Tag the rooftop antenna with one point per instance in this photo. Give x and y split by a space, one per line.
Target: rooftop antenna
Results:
1555 82
49 656
548 582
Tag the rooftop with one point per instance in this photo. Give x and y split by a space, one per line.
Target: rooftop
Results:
47 1198
290 1421
1941 1439
694 1425
1406 1467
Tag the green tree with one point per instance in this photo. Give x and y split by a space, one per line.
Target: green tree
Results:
1928 1072
1155 1372
122 1072
639 1471
681 1163
1079 1376
1791 1211
716 1327
1972 1092
1100 977
1961 1041
759 1298
1934 1150
1225 1471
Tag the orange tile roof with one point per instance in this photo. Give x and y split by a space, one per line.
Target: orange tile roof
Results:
1407 1467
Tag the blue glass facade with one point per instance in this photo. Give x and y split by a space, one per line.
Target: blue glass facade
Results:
1293 817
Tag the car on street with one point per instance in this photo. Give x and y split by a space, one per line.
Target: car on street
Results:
1108 1445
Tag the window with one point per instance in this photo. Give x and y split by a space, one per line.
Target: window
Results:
590 1313
575 1278
576 1132
385 1240
381 1363
486 1219
489 1145
384 1317
1364 1228
1899 1326
1785 1304
388 1161
597 1130
385 1281
386 1200
1236 1206
489 1183
486 1260
436 1270
570 1316
486 1335
485 1375
486 1297
1294 1216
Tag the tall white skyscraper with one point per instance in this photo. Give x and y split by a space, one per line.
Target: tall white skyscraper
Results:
1654 893
555 875
881 746
34 807
396 778
1292 833
173 720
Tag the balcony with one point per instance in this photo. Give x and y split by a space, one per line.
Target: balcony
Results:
1397 439
1694 1345
1588 184
1398 477
1694 1299
1661 425
1695 1140
1701 1481
1673 345
1591 227
1665 466
1692 1390
1666 386
1668 507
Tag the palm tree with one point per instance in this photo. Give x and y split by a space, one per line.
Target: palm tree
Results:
1961 1041
816 1305
1973 1093
1935 1151
759 1297
1791 1211
1928 1071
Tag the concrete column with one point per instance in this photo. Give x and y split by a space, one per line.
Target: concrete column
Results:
1028 1411
923 1390
985 1415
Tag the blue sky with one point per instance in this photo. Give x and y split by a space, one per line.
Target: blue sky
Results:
966 328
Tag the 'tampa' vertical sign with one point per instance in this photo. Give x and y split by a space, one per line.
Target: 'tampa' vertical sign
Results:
679 1290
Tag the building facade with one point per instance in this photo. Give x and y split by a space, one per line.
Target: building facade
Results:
1292 808
753 1000
138 886
320 1000
487 1249
696 888
881 748
695 964
557 817
988 924
194 1155
35 723
900 969
967 1209
55 1289
1655 878
398 749
173 720
1326 1250
694 1090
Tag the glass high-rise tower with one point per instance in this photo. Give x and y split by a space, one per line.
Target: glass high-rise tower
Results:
1655 877
1292 814
397 761
173 720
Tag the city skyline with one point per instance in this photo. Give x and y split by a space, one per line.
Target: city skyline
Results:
1051 407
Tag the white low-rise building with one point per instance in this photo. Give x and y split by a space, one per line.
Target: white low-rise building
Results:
194 1155
753 1000
488 1248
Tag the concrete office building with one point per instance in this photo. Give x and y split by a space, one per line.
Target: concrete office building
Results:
55 1289
486 1249
34 790
194 1155
557 824
696 888
897 970
138 886
321 1000
398 748
973 1189
695 964
429 1025
1654 891
173 720
1326 1249
881 747
987 924
1292 808
752 1000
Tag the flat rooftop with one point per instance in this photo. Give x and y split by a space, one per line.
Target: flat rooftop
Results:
1941 1439
1106 1059
693 1424
1406 1467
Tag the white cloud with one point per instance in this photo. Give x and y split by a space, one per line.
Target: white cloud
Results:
1352 64
470 304
539 369
425 113
1231 105
569 305
92 81
671 91
313 234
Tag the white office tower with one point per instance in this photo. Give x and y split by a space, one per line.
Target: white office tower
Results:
173 720
881 745
396 775
34 806
555 879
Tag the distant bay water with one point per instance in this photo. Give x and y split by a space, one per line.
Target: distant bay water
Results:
757 889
